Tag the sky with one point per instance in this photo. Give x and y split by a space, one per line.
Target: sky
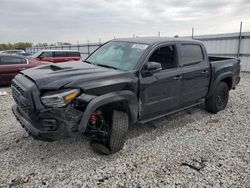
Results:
51 21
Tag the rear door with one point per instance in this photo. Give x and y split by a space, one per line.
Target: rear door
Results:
60 56
10 66
73 56
195 73
160 92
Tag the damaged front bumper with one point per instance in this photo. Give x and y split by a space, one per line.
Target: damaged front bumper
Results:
49 125
42 123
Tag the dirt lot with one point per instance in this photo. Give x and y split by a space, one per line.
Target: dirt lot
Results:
183 150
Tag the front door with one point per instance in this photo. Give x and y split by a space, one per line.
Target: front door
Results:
46 56
160 92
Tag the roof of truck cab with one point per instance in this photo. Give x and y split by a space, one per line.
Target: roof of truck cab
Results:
155 40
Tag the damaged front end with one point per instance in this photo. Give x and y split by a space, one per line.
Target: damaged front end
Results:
52 116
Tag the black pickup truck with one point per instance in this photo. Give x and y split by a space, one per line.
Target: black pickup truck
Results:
123 82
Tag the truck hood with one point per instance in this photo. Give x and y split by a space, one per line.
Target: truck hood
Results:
75 75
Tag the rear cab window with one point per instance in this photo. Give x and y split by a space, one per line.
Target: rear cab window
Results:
191 54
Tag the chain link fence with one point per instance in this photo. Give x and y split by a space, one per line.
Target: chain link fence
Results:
228 44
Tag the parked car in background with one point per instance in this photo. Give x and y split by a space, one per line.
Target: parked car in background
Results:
57 56
11 65
27 54
13 52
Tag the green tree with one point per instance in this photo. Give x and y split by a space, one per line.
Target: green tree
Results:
18 45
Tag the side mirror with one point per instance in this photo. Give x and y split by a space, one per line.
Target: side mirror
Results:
151 68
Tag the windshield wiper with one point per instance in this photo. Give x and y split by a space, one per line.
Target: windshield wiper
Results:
108 66
101 65
89 62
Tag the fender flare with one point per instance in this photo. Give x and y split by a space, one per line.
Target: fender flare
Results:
98 101
217 81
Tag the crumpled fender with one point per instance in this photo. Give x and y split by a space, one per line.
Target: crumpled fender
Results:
97 101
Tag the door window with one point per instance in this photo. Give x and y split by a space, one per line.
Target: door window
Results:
12 60
72 54
60 54
46 54
165 56
191 54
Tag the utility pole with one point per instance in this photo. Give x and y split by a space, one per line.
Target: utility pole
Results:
192 33
77 45
239 43
159 33
88 47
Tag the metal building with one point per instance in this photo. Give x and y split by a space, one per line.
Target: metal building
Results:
230 44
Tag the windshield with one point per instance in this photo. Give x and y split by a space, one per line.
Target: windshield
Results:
35 55
119 55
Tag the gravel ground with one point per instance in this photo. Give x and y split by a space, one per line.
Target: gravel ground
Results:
183 150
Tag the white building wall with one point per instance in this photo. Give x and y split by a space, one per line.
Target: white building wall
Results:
227 45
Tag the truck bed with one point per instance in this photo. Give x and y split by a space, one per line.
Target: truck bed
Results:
221 66
219 58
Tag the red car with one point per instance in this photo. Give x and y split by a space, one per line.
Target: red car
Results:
11 65
57 56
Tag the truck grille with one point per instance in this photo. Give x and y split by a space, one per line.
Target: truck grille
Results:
23 103
17 87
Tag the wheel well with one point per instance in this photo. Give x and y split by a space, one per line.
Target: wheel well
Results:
119 105
228 81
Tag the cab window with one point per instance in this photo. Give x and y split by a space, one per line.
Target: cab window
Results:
72 54
191 54
60 54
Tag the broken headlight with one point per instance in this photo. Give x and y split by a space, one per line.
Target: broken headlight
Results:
59 99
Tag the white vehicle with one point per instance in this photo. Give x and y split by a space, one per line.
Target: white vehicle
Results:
13 52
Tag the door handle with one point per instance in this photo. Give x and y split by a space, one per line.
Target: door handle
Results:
178 77
204 72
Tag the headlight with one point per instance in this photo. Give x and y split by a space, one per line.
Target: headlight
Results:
59 99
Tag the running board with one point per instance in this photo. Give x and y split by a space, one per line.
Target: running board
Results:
173 112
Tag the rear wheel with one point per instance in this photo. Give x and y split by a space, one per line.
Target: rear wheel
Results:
218 101
116 130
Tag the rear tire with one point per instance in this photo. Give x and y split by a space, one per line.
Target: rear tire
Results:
218 101
118 128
